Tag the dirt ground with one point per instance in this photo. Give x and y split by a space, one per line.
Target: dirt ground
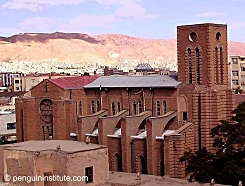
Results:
130 179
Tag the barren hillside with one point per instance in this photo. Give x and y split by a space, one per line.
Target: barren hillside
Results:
108 49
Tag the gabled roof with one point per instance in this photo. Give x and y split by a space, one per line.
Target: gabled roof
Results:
73 82
154 81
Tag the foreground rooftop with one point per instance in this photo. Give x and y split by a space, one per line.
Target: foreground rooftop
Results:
129 179
65 145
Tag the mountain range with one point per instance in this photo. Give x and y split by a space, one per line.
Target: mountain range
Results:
106 49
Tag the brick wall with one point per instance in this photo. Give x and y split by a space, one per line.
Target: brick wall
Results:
31 122
19 119
206 42
1 164
114 147
64 119
160 163
46 89
139 154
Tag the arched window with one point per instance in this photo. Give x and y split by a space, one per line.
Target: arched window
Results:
98 106
80 107
158 108
140 107
162 167
164 107
190 65
142 165
113 108
92 107
118 106
198 66
134 107
118 163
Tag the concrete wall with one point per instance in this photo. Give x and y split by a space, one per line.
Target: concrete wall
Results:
4 120
48 163
98 159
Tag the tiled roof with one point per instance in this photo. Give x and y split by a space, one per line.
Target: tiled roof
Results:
154 81
239 98
73 82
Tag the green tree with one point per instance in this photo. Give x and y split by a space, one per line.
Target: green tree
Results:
227 165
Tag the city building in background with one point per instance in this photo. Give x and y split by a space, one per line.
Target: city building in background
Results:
237 72
7 124
28 81
6 78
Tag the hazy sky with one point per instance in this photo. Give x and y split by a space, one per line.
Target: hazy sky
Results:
143 18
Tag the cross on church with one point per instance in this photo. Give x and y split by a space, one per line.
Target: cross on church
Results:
46 86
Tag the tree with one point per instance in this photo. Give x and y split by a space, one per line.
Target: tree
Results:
227 165
198 164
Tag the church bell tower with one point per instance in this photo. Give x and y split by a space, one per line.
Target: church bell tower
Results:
203 70
202 54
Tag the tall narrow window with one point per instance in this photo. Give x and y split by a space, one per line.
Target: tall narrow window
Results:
190 65
140 107
50 132
118 106
164 107
80 107
92 107
113 108
158 108
216 55
221 66
98 106
198 66
89 174
43 132
134 107
184 115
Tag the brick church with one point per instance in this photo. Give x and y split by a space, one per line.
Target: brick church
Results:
147 122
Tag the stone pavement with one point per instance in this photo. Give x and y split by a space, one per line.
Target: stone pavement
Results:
129 179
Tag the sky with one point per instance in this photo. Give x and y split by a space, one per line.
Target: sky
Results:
154 19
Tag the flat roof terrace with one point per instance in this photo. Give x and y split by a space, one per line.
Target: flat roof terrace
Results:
65 146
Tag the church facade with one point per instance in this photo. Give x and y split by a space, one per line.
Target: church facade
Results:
147 122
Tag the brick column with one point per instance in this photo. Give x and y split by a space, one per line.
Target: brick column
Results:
31 119
19 119
59 120
126 148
